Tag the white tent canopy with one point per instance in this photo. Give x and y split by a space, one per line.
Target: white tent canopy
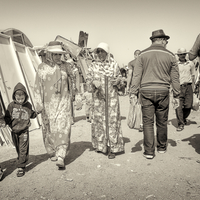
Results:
18 63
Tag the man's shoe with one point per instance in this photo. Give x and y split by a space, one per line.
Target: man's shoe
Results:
180 128
141 128
148 156
185 122
161 151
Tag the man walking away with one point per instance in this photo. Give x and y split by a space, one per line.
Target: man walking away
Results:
155 69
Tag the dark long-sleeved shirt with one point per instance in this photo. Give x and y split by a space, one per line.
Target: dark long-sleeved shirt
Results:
18 115
156 67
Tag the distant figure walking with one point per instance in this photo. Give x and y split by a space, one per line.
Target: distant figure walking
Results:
131 66
187 76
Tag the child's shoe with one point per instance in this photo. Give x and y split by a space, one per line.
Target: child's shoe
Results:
20 172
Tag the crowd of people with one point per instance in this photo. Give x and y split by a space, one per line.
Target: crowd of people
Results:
151 75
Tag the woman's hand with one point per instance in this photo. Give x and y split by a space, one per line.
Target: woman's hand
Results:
96 83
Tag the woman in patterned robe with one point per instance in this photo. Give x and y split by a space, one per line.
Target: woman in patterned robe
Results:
104 79
53 89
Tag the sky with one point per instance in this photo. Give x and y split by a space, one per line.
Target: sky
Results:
125 25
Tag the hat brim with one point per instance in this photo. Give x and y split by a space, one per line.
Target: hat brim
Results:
95 50
161 36
182 53
56 51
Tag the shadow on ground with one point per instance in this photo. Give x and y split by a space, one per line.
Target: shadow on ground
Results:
174 123
10 165
194 141
138 145
76 150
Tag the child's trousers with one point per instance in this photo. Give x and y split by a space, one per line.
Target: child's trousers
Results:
21 142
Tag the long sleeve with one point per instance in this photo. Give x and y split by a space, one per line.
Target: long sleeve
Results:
195 49
33 114
175 79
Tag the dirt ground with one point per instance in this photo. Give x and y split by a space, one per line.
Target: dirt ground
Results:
88 175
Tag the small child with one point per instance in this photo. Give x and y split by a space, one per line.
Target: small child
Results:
18 116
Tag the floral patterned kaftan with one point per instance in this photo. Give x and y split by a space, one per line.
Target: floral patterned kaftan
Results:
99 71
52 99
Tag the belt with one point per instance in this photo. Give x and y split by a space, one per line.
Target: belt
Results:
184 84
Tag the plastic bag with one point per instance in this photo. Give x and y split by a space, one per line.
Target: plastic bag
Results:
138 116
131 116
195 105
134 116
78 100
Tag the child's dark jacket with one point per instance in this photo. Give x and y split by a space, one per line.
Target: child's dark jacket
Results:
18 115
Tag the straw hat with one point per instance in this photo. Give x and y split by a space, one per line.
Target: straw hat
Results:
159 34
182 51
55 47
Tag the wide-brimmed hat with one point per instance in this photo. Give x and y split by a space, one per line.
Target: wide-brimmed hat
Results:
159 34
181 51
103 46
55 47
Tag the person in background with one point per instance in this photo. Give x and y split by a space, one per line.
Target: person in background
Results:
53 91
42 55
104 79
155 69
124 78
17 116
187 76
2 125
131 66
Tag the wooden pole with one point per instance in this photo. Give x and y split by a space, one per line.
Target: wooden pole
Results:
106 111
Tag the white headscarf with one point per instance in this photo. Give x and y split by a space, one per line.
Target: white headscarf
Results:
105 47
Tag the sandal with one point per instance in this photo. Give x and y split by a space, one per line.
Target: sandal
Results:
60 163
54 158
20 172
111 155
